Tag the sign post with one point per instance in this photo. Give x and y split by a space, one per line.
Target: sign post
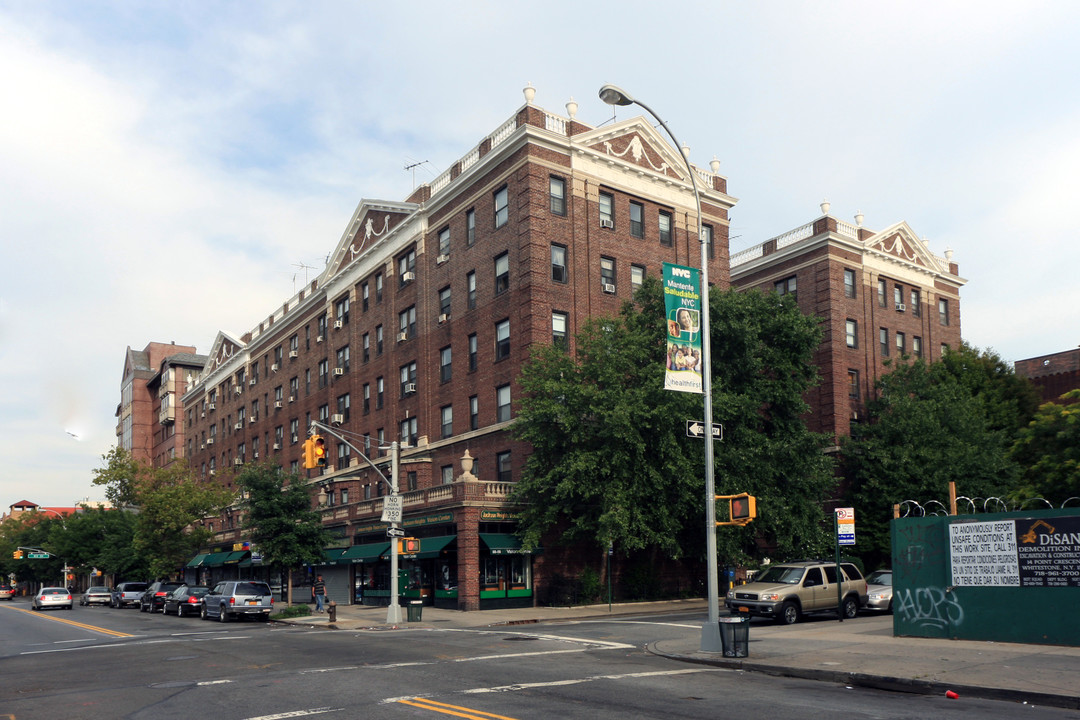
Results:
844 525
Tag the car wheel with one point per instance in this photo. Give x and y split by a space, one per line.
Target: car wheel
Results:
202 613
222 615
789 613
850 608
179 610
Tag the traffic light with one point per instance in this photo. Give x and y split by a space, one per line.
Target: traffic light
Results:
408 546
309 454
18 554
743 508
319 451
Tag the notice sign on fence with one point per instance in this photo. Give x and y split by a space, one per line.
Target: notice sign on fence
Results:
984 554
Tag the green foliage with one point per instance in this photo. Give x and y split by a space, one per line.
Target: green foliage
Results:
931 424
611 462
590 585
292 611
1049 451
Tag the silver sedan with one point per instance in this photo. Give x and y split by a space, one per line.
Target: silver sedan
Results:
51 597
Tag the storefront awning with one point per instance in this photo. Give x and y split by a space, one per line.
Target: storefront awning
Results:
501 544
216 559
431 547
369 552
235 557
197 560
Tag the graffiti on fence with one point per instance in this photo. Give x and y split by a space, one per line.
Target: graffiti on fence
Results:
928 606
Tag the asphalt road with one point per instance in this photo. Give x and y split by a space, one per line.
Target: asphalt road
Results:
98 663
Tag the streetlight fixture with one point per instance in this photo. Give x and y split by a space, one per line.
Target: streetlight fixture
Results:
710 631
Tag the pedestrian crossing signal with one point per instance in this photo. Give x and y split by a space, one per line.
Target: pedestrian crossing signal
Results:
742 509
408 546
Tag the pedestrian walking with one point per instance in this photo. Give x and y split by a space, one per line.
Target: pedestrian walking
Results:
318 591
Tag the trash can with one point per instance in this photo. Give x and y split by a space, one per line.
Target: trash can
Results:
415 610
735 636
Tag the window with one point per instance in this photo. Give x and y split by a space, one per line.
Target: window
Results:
502 403
447 474
916 346
294 389
445 365
470 288
380 387
472 352
558 264
557 192
470 227
559 337
502 274
365 296
344 404
849 283
341 310
474 412
410 480
607 210
851 331
408 437
901 344
665 228
367 398
406 268
502 207
407 377
324 373
883 340
365 347
378 288
444 243
446 414
787 286
345 493
343 453
378 340
853 384
898 296
943 311
707 232
915 302
502 339
637 220
637 277
407 323
380 435
502 467
607 274
343 359
881 290
444 304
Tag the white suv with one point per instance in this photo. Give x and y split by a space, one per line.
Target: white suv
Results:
232 598
787 591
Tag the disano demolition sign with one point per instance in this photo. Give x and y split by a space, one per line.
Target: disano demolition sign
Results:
1025 552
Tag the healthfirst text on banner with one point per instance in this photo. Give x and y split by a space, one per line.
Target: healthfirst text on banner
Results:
682 303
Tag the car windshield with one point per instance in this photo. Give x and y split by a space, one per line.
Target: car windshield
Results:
880 577
781 574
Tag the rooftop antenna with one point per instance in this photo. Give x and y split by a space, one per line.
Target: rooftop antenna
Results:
412 167
302 266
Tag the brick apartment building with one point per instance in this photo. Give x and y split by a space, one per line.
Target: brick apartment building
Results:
416 332
153 382
1054 374
880 295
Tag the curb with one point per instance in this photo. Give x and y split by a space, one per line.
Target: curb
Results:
879 682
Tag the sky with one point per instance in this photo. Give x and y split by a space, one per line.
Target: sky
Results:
169 170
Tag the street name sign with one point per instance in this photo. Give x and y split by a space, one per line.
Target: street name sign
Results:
37 555
696 429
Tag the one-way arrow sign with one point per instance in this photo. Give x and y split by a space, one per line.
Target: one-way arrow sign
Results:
696 429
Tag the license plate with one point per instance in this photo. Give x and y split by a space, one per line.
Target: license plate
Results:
744 609
252 602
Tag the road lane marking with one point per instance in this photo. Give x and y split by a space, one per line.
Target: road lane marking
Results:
84 626
455 710
296 713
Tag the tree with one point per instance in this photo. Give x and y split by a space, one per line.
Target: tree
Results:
611 462
930 424
279 518
1048 449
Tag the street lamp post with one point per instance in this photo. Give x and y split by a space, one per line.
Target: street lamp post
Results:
710 631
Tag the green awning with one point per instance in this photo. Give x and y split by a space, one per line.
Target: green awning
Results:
216 559
369 552
502 544
197 560
432 547
234 557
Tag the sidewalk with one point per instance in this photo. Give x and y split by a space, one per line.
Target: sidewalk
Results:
859 652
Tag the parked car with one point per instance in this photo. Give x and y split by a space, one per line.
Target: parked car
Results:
185 600
7 592
96 595
51 597
127 593
233 598
879 591
787 591
154 598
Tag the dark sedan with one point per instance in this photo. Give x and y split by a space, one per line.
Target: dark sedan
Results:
186 600
153 599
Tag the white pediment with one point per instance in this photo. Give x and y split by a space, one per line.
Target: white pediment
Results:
636 142
899 243
223 352
372 222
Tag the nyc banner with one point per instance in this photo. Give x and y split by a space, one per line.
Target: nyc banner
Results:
682 300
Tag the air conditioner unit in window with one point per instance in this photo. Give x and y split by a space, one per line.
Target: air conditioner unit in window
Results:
212 406
209 441
237 461
295 438
202 446
410 388
238 390
408 276
318 338
441 259
277 403
293 354
339 371
255 455
203 414
609 288
605 223
238 426
277 446
337 324
403 336
337 419
274 367
252 419
211 473
292 398
901 307
252 382
443 317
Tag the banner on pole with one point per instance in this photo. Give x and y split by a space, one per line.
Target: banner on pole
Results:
682 302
